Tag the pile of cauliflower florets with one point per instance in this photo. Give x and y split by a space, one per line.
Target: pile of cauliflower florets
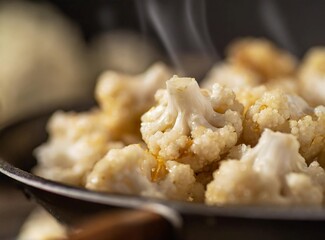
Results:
253 132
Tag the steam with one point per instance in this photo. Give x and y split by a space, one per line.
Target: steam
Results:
275 24
182 27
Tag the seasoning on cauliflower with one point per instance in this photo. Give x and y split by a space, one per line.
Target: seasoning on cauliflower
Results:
191 125
312 76
124 98
133 170
249 95
273 172
262 57
287 113
76 143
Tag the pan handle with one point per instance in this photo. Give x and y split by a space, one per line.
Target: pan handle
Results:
135 224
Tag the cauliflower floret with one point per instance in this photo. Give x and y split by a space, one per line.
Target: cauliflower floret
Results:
312 76
310 132
238 151
261 57
248 96
76 143
241 80
287 113
273 172
40 225
124 98
132 170
190 125
321 158
288 85
231 76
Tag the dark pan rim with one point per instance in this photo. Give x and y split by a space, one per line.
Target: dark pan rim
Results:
131 201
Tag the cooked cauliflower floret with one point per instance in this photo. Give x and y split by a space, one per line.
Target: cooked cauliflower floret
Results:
231 76
310 132
132 170
241 80
248 96
238 151
287 85
191 125
273 172
287 113
124 98
261 57
76 143
312 76
40 225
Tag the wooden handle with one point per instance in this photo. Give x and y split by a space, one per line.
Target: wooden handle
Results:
126 224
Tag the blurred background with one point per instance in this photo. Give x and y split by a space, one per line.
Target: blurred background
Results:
57 48
51 52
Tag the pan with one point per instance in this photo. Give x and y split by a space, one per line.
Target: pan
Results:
163 218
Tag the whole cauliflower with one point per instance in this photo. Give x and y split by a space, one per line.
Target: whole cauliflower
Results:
77 141
312 76
290 114
262 57
191 125
133 170
124 98
273 172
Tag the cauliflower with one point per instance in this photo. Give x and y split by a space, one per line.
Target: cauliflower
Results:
273 172
262 57
287 113
312 76
132 170
124 98
245 83
249 95
231 76
43 60
190 125
41 225
310 132
238 151
288 85
76 143
241 80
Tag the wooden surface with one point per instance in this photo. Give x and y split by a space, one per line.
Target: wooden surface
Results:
14 208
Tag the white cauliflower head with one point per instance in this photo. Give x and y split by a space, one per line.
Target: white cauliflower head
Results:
273 172
248 96
124 98
231 76
76 143
192 125
312 76
262 57
289 85
133 170
287 113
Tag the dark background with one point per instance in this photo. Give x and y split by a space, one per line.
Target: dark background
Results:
227 19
